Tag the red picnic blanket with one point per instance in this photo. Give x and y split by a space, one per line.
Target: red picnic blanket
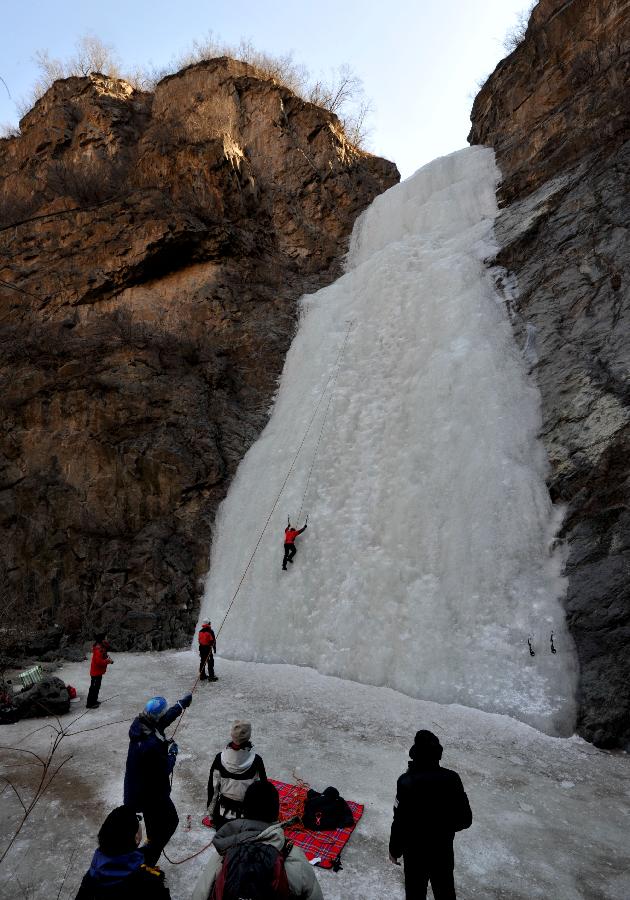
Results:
325 844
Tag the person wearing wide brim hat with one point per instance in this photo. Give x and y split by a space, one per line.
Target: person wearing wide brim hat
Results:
430 806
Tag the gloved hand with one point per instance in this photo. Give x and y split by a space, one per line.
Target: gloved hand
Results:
185 701
173 749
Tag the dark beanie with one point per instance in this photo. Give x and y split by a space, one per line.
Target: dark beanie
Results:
262 802
118 832
426 747
100 636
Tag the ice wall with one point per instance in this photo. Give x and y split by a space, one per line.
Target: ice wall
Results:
426 563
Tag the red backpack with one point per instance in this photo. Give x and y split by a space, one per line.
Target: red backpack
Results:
252 871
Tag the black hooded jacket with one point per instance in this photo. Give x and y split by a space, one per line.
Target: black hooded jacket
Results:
431 805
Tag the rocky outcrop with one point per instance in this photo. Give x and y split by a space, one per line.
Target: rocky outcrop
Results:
557 113
152 249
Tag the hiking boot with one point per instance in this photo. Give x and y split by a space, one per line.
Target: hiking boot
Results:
94 705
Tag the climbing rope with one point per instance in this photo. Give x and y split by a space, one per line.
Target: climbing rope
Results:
321 431
334 374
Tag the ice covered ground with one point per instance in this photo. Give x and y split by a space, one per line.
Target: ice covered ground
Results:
427 562
551 815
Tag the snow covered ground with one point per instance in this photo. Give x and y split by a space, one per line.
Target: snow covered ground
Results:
551 815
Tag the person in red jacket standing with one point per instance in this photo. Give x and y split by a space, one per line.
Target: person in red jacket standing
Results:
207 649
290 534
98 667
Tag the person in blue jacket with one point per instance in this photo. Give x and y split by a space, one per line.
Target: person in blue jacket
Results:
150 761
118 870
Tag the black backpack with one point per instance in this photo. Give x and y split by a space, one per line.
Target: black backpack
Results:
252 871
327 811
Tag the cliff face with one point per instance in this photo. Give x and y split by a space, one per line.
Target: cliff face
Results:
557 113
152 249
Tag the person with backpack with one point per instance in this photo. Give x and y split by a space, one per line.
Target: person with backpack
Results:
119 870
253 859
431 805
290 535
207 649
98 667
150 762
231 773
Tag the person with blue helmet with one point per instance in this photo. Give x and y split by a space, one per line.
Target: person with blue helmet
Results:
150 761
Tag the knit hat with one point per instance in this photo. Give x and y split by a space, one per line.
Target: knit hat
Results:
241 732
118 832
262 802
426 747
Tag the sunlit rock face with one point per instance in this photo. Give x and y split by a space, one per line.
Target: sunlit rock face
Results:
156 244
556 111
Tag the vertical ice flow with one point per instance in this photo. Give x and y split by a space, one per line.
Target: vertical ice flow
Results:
427 559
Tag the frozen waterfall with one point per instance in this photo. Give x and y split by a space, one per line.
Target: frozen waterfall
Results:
427 560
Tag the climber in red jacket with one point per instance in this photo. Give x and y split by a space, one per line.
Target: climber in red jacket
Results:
290 535
98 667
207 649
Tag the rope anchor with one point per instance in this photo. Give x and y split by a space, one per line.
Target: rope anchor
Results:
529 644
553 648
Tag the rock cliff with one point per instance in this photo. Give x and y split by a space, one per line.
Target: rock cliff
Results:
558 115
152 248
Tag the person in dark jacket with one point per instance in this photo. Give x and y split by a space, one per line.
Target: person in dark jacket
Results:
98 667
260 827
431 805
290 534
119 870
207 649
150 761
231 773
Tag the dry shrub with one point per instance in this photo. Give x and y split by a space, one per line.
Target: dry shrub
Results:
87 181
516 34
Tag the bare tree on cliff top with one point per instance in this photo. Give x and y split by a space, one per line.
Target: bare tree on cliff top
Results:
342 94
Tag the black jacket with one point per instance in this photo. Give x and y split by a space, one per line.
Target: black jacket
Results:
431 805
124 877
149 764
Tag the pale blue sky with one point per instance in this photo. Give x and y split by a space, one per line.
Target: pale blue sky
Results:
420 60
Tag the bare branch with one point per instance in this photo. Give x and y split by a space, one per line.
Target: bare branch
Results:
15 791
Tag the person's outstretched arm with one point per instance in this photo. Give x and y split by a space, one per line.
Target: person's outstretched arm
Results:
171 714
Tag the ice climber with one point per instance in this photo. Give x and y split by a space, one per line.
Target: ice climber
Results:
98 667
119 870
431 805
231 773
207 649
252 854
150 761
290 549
